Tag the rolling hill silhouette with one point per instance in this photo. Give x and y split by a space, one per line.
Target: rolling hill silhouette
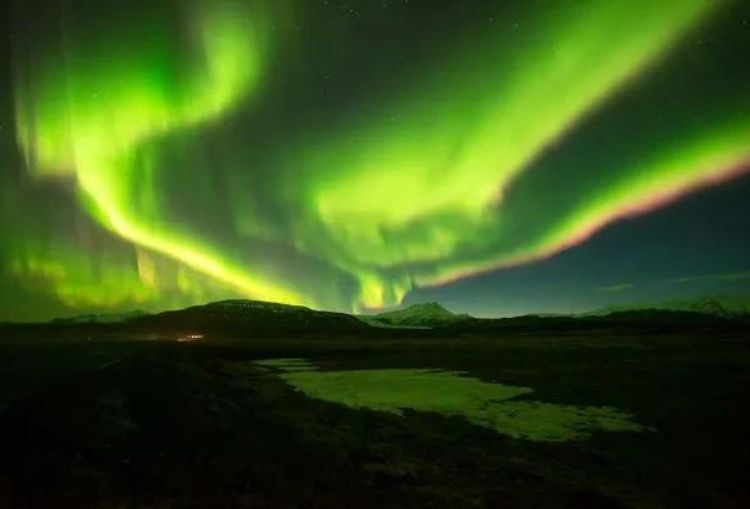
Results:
232 317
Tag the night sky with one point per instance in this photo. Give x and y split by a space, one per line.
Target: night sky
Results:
501 157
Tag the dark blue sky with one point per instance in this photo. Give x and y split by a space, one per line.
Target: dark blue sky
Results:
694 247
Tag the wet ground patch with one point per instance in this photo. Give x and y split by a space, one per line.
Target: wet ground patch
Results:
453 393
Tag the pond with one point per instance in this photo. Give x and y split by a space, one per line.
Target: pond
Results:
506 409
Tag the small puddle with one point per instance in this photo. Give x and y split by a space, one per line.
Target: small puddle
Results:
288 364
453 393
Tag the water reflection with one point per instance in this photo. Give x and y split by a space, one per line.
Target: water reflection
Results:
453 393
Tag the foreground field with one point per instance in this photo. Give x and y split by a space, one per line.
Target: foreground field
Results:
196 424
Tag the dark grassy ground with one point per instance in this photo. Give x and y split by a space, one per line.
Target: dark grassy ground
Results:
161 424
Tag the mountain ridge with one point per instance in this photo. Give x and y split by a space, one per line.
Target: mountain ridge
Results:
419 315
237 316
248 319
724 305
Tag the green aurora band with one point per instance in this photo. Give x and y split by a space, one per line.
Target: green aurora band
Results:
442 177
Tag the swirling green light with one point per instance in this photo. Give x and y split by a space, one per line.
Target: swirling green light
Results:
413 188
92 115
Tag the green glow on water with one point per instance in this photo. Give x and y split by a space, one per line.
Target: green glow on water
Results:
452 393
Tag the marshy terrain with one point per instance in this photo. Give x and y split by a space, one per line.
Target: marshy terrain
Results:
516 420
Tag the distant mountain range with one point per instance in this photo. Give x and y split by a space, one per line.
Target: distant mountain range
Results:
424 315
102 318
247 319
634 321
727 306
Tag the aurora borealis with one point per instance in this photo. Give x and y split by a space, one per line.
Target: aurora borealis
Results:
343 155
